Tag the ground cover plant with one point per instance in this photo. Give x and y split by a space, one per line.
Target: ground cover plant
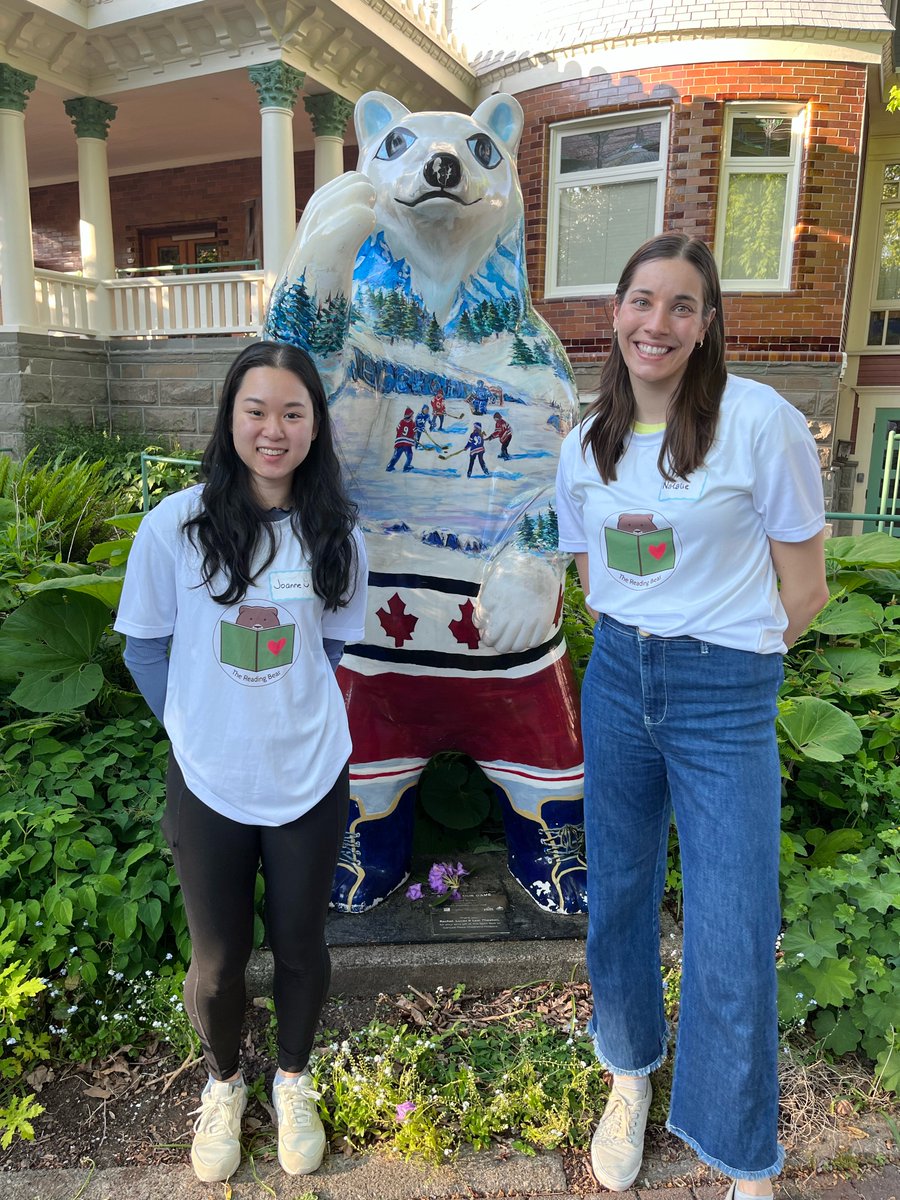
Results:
92 935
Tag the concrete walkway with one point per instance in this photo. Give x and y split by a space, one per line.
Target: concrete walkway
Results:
371 1177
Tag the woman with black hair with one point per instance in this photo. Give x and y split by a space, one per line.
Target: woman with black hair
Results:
238 597
686 495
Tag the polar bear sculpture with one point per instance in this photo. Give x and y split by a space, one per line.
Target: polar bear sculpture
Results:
450 397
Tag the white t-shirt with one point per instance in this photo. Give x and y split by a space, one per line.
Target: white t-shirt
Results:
691 558
254 713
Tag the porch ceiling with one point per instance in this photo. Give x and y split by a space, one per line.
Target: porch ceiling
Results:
176 70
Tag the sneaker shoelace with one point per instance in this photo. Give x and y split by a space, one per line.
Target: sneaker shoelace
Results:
296 1101
619 1121
215 1114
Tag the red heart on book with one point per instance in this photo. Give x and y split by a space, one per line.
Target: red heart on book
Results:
656 551
277 647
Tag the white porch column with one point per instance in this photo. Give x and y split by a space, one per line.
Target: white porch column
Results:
329 114
277 85
91 118
16 249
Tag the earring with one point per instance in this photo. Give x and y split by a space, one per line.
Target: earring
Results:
615 328
700 344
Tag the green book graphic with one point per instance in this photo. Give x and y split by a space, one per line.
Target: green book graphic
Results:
640 553
257 649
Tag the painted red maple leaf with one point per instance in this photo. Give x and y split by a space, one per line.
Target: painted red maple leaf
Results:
463 628
396 621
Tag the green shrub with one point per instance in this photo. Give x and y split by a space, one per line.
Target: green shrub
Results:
86 883
47 445
841 950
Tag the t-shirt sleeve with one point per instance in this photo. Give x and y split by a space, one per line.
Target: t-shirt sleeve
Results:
569 514
148 604
348 624
787 492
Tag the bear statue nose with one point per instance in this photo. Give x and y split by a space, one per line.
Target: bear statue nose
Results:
443 171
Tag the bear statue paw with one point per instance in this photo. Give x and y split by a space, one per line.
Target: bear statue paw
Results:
374 857
548 859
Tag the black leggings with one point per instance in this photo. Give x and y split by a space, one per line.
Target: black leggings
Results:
216 860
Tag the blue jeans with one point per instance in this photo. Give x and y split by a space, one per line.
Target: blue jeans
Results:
675 723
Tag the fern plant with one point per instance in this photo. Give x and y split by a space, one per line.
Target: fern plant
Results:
72 500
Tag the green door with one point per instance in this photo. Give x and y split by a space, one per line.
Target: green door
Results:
886 420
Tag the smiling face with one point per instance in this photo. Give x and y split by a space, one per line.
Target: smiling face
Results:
660 318
272 426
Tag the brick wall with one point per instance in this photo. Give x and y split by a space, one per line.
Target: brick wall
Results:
205 192
798 326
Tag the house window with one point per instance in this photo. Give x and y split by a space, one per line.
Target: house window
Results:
884 318
607 186
758 196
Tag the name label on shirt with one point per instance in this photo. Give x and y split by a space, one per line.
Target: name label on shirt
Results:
291 585
691 488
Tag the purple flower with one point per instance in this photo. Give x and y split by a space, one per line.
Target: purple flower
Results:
414 891
444 877
404 1110
436 877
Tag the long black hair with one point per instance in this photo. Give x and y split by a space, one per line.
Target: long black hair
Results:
231 525
694 411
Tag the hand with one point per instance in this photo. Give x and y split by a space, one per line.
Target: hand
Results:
517 602
339 217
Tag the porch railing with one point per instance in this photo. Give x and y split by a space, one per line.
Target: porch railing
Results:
164 305
172 305
63 302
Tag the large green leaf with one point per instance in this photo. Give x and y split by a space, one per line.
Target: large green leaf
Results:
849 614
817 729
106 588
830 983
889 580
858 670
453 794
51 640
799 940
837 1032
888 1068
867 550
127 521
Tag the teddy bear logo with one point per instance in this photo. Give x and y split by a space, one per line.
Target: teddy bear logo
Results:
450 398
258 643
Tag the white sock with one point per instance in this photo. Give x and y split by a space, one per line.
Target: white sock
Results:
232 1083
740 1194
288 1079
632 1087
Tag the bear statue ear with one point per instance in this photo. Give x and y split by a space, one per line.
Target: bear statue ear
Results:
375 112
502 115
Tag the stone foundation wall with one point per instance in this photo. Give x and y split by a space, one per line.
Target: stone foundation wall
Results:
165 390
50 381
169 390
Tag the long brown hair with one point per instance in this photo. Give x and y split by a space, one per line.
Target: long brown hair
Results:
694 411
231 527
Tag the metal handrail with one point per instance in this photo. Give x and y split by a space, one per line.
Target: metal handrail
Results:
145 475
850 516
249 264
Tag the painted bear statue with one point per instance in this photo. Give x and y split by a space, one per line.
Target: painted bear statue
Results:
450 397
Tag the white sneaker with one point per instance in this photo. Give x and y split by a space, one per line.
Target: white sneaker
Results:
617 1147
301 1138
216 1149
